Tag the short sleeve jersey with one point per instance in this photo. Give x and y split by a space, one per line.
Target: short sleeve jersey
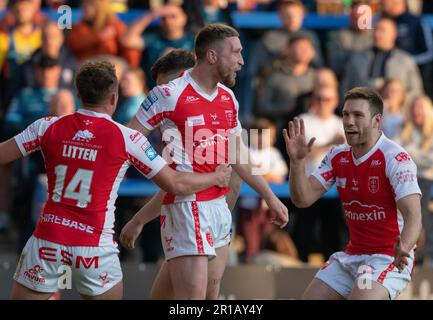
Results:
86 155
369 189
195 127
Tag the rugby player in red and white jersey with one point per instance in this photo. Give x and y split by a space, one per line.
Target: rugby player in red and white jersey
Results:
198 116
86 155
377 183
167 68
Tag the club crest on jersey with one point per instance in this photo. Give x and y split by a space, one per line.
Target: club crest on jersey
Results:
195 121
373 184
150 153
83 135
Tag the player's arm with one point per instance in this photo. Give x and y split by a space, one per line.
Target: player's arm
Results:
175 183
147 213
9 151
259 184
235 186
25 142
402 174
136 125
183 183
410 208
304 190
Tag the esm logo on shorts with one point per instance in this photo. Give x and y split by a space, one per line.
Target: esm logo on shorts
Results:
49 254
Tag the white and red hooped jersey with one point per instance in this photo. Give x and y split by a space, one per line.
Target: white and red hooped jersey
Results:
195 127
369 189
86 155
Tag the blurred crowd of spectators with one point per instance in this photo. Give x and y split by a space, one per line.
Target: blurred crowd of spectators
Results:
290 71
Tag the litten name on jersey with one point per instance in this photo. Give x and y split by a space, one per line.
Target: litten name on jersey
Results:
79 153
66 222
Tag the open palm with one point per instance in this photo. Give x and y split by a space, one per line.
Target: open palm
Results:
296 145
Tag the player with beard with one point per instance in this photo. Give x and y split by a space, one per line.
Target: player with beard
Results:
198 115
377 183
167 68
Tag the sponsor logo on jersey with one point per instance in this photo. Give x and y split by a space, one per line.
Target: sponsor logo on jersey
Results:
151 153
344 160
327 175
405 176
214 116
149 101
375 163
341 182
215 139
355 183
356 211
33 274
324 161
230 118
166 91
51 218
191 99
373 184
83 135
135 137
195 121
402 157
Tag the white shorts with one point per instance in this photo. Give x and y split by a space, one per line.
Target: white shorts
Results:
343 271
195 227
46 266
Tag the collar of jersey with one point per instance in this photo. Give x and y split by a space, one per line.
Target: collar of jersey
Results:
197 88
369 153
94 114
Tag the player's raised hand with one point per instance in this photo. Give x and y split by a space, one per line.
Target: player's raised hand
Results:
401 253
224 173
294 137
279 212
130 233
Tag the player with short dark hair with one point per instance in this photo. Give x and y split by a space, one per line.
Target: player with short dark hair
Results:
198 117
86 155
377 183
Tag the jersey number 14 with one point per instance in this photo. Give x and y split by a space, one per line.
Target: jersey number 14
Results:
81 179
